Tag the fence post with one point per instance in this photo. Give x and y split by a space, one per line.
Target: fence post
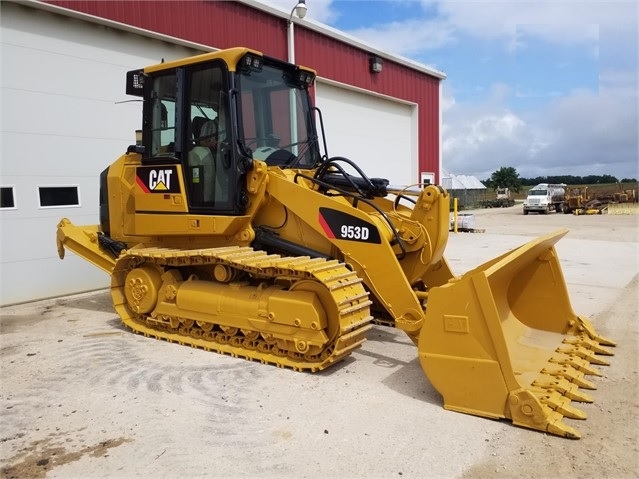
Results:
455 214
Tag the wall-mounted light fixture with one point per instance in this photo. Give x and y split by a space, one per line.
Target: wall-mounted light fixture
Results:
375 64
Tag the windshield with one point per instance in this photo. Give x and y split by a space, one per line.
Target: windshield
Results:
538 193
276 123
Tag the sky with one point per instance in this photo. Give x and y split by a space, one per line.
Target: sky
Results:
546 87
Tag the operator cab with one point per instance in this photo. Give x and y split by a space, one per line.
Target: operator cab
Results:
252 108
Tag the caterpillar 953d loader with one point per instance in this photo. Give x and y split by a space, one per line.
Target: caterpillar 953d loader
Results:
261 246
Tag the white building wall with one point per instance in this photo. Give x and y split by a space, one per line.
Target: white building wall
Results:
61 125
65 118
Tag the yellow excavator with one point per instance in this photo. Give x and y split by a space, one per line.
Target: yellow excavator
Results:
228 227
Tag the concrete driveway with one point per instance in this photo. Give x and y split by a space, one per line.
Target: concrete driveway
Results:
81 397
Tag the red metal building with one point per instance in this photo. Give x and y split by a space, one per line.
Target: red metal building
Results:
336 57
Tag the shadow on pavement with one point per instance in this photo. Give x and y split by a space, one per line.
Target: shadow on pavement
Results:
410 380
99 301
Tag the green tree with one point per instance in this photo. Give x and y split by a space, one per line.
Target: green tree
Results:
506 177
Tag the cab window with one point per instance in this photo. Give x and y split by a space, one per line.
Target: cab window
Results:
162 116
208 160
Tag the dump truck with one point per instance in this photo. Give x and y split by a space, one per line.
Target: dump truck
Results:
545 198
269 249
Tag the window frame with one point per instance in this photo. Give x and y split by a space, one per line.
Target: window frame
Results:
13 197
47 207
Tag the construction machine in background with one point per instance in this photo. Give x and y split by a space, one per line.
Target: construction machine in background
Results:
579 200
575 198
272 250
608 201
502 195
626 196
502 199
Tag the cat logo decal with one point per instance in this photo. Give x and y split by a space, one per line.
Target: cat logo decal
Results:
158 180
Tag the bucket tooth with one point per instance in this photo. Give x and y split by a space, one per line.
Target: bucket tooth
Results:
583 383
589 329
605 341
559 428
578 396
575 362
596 360
562 386
583 353
562 405
588 343
540 410
570 373
603 351
572 412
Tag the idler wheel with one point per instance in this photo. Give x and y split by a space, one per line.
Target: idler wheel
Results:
141 288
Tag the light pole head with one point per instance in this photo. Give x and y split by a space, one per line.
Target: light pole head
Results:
299 10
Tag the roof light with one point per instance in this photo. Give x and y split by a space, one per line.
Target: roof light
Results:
305 77
251 63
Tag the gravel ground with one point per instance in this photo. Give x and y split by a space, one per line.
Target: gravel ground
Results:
81 397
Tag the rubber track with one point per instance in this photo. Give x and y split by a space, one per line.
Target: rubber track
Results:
346 288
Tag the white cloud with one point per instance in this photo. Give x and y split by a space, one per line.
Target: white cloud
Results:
581 134
562 32
586 36
556 21
480 138
597 130
407 38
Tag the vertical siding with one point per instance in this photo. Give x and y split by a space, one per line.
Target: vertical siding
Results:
224 24
220 24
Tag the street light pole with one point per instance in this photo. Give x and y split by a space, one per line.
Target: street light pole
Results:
291 42
300 11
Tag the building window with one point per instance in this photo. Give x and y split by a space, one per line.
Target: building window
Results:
427 178
51 196
6 197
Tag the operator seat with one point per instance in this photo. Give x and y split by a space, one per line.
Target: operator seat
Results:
202 165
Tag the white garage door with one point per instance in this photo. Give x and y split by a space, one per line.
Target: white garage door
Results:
375 132
63 122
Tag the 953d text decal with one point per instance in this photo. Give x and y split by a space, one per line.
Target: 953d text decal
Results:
156 179
339 225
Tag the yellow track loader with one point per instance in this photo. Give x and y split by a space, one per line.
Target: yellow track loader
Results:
227 229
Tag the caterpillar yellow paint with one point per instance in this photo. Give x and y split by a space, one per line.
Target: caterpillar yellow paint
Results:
228 228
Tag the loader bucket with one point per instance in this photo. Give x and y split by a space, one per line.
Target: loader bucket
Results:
502 341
